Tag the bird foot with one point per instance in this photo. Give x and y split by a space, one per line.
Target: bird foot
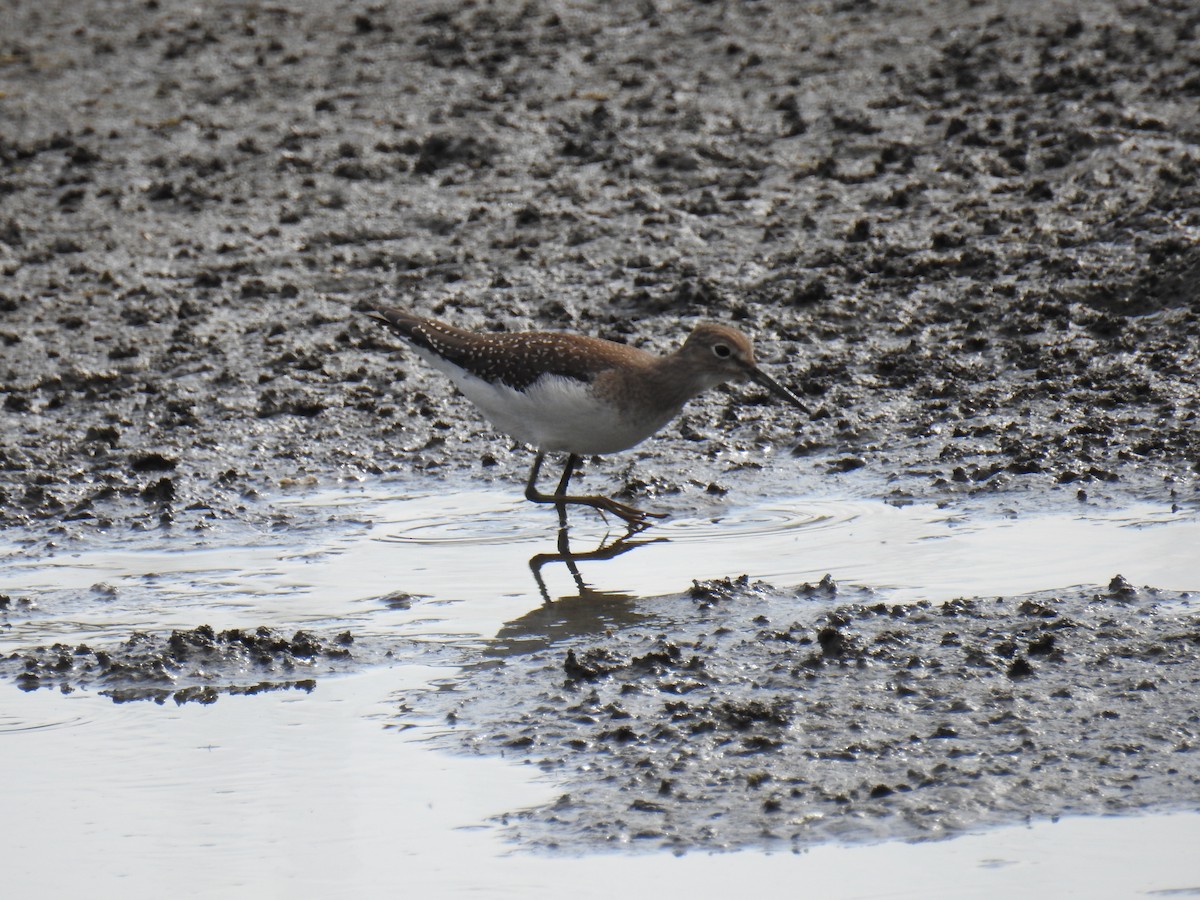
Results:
631 515
635 518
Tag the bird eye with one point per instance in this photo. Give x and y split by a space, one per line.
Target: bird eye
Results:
722 351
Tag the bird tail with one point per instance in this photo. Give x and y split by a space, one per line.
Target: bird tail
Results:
403 323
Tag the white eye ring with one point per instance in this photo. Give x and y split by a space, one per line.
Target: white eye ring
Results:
722 351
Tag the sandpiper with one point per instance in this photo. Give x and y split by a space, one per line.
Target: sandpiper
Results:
579 395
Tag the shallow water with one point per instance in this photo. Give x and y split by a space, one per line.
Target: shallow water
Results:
262 795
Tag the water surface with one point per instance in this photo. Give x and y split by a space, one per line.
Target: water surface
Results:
336 791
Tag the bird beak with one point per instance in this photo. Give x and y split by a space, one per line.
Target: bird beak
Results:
760 377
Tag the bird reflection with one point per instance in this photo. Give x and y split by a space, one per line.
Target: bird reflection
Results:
590 611
569 557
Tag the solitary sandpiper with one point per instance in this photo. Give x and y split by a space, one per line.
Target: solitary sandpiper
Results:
575 394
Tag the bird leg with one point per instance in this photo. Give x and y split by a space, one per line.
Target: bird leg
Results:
631 515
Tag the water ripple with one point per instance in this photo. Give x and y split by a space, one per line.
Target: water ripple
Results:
12 725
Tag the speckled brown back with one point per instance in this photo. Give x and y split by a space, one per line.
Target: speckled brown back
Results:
516 359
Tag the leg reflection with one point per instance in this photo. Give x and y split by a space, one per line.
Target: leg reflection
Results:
568 557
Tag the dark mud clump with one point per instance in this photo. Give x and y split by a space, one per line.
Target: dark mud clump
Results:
965 232
740 715
194 666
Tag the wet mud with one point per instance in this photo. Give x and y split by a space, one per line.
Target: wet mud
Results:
738 714
966 233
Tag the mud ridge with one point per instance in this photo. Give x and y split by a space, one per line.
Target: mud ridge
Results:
197 665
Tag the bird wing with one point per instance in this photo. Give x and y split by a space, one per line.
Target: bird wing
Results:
517 360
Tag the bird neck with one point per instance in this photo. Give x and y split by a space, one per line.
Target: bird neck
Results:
679 377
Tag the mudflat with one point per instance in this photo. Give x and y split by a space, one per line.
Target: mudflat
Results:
968 235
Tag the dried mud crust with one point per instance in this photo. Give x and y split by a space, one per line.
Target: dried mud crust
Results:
740 715
966 232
